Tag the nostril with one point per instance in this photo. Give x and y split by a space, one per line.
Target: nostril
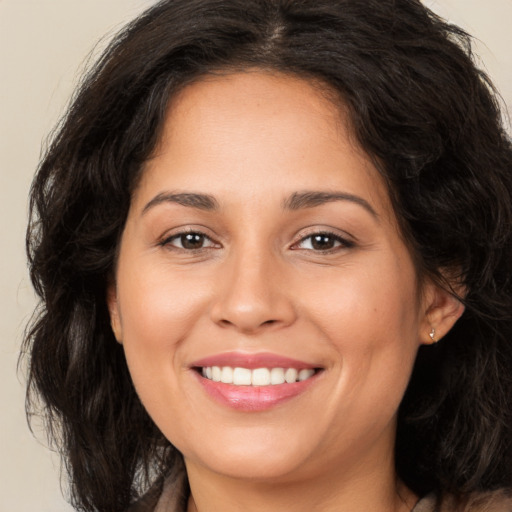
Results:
225 323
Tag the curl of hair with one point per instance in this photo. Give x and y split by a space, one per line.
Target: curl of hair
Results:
418 106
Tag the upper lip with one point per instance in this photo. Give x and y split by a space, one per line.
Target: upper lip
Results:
252 361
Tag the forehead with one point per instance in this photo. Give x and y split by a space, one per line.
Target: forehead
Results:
252 131
262 101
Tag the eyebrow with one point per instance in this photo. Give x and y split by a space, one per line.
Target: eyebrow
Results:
296 201
311 199
192 200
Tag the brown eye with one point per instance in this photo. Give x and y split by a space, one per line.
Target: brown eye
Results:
323 242
189 241
192 241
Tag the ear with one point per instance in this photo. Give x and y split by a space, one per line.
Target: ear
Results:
440 312
113 309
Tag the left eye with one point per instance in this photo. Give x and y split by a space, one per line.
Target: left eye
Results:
322 242
189 241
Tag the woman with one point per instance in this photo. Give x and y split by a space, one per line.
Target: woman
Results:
273 244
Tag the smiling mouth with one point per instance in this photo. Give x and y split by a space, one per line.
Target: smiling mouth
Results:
239 376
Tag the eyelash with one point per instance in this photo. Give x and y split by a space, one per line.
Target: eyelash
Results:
337 239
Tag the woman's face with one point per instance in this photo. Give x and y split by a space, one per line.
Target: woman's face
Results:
261 249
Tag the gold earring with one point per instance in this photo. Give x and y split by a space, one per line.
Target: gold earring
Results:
432 335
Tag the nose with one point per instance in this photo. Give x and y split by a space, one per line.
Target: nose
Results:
252 295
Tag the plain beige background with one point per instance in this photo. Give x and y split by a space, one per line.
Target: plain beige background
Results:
43 46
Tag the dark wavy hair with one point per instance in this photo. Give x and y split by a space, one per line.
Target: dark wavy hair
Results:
417 105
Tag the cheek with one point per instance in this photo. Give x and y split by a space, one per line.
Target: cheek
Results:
156 316
159 306
158 309
370 319
373 306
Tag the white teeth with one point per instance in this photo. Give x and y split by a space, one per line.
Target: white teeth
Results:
277 376
226 375
216 373
260 377
306 374
242 377
290 375
257 377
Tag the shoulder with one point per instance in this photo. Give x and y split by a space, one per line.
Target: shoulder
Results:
495 501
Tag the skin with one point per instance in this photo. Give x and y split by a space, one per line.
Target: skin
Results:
255 283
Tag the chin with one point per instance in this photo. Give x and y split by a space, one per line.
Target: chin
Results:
264 459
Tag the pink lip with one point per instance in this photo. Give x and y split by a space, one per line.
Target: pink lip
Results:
253 398
252 361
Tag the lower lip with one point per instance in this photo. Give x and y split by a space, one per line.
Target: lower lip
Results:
254 398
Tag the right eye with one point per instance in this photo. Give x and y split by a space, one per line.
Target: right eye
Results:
189 241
